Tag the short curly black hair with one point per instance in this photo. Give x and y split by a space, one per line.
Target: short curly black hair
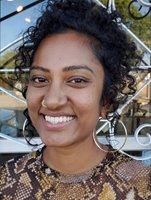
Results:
108 42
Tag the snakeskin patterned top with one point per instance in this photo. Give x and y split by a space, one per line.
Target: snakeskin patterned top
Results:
117 177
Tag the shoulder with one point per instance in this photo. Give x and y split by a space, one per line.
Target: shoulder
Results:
15 165
131 175
130 169
13 170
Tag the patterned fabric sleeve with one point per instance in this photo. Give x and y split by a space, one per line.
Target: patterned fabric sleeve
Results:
116 178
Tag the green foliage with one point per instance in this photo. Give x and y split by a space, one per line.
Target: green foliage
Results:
8 79
7 62
140 28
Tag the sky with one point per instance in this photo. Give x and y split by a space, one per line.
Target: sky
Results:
12 28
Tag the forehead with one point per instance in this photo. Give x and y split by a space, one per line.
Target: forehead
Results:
65 49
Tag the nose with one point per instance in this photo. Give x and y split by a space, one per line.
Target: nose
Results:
55 96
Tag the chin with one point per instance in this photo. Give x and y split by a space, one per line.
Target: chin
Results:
57 144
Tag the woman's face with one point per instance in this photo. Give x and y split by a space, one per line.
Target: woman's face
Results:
67 75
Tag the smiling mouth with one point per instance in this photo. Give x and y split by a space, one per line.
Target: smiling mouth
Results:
58 120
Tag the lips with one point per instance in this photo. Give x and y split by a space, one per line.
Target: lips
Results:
58 119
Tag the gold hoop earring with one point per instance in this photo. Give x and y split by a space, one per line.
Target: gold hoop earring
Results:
24 135
112 140
43 104
23 129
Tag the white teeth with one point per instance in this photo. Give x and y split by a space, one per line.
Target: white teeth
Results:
56 120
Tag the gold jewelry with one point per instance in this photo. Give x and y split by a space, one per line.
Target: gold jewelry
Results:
43 104
112 139
23 129
24 134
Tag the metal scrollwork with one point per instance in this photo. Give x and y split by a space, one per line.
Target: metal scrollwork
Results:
140 5
137 131
144 3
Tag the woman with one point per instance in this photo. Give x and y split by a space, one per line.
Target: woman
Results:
79 61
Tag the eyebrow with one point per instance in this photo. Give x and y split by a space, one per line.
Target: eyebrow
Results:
38 68
77 67
65 69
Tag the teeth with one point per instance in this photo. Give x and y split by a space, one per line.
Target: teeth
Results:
56 120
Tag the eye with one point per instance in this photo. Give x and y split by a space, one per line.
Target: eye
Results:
78 82
38 79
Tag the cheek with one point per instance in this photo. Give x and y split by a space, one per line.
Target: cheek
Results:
33 99
29 93
88 103
34 93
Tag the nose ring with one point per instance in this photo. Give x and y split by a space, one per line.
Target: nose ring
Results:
43 104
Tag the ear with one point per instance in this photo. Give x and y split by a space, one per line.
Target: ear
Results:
104 109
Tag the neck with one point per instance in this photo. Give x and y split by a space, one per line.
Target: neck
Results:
75 159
